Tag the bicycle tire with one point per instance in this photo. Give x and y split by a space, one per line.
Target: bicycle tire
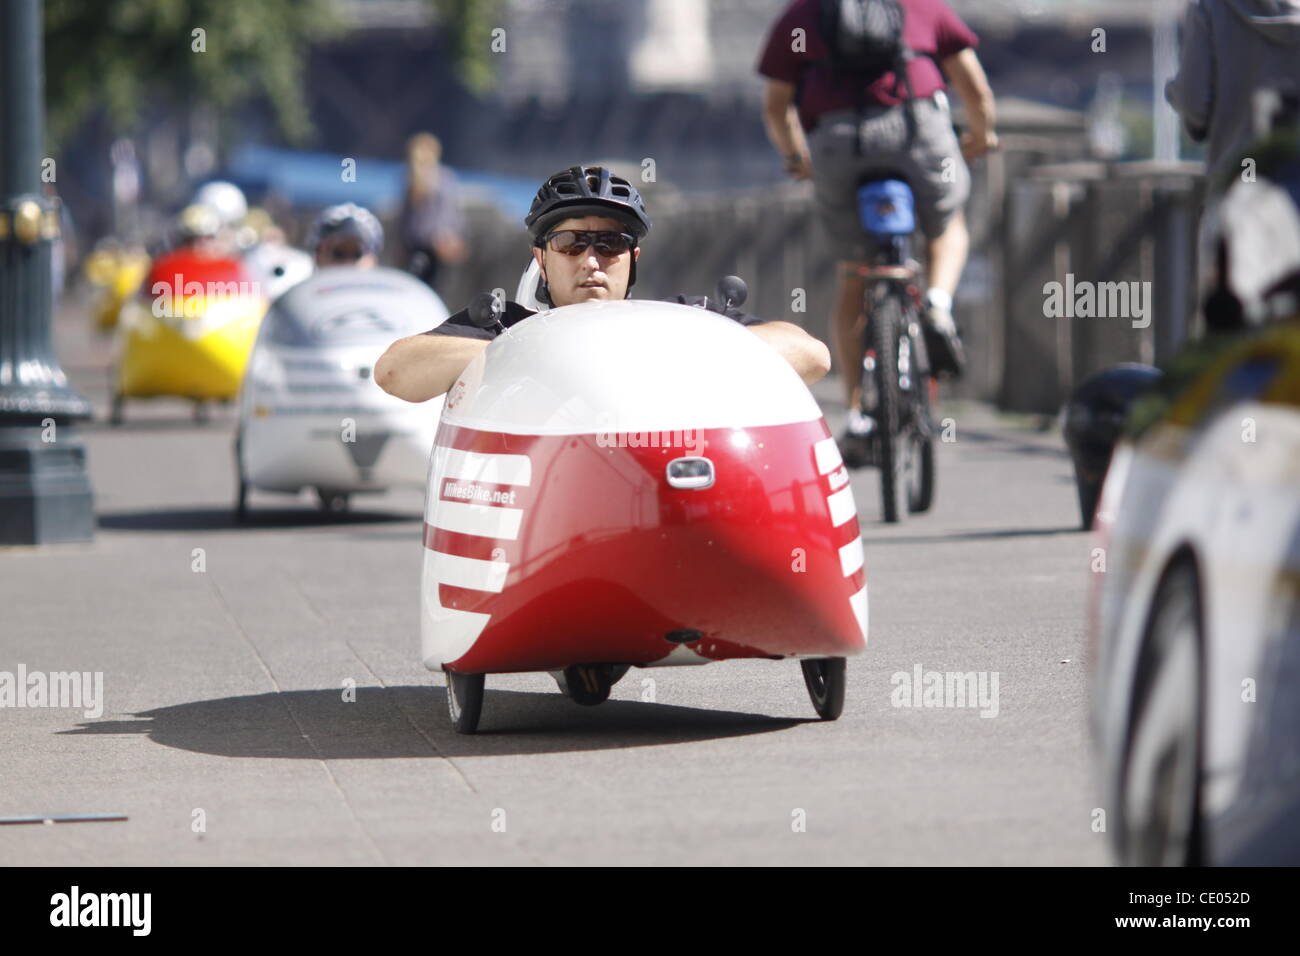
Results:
885 326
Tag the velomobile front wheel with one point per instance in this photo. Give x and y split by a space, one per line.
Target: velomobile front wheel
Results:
464 700
589 684
825 680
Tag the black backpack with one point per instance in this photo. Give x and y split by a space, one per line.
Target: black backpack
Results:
865 39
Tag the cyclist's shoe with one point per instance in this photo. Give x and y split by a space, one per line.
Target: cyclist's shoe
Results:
943 342
857 443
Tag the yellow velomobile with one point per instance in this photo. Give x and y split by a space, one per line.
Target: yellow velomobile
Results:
189 332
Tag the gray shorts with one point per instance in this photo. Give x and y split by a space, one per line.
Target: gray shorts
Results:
931 161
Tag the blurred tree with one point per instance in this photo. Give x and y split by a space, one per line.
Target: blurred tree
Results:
127 55
468 25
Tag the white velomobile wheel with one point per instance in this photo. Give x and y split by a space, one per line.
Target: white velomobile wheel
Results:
464 700
1160 788
825 679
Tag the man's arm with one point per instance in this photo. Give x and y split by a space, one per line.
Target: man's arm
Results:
967 77
808 356
420 367
781 120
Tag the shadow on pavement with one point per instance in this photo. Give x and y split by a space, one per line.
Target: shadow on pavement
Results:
405 722
1009 443
217 519
991 535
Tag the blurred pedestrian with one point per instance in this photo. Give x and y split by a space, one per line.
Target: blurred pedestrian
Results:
431 225
1231 49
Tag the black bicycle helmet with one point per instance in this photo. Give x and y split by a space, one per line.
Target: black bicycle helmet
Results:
586 191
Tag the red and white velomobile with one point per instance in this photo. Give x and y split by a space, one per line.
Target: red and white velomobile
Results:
635 484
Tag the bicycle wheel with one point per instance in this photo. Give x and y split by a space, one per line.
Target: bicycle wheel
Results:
892 448
920 488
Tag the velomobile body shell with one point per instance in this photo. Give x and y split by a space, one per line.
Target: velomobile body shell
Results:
190 330
311 414
277 267
553 536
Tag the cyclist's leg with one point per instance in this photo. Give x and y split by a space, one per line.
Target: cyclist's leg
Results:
850 289
946 254
837 167
941 183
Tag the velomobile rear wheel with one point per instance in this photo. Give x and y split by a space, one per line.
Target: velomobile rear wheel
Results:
825 680
464 700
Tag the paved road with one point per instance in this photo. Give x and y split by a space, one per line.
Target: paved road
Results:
224 690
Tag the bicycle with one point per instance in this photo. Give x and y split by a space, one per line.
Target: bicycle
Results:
897 389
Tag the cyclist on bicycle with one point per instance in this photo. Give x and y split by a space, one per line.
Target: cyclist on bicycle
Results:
586 225
896 122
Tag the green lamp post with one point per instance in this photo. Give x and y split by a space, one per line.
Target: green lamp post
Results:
45 495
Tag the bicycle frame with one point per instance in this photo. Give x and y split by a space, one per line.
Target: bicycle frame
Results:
896 387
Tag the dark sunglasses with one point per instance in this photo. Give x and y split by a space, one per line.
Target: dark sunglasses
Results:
344 254
574 242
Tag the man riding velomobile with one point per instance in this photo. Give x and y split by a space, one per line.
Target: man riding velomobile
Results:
586 225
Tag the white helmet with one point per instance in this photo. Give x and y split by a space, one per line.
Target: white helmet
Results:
226 199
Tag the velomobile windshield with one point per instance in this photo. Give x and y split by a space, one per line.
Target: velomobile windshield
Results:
345 306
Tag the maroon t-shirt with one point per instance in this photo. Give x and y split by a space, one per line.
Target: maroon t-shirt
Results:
931 30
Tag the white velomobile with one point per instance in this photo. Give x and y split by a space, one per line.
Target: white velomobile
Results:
635 484
310 413
277 267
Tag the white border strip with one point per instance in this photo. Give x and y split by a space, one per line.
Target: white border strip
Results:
487 469
486 521
842 506
473 573
851 557
859 604
828 455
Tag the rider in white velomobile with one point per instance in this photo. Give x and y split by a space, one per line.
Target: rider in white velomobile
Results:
311 415
620 483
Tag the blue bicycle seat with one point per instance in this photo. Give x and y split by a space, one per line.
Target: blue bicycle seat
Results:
887 208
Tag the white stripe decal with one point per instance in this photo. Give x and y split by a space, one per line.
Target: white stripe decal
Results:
486 521
839 478
842 507
446 633
851 558
470 573
489 469
828 456
859 604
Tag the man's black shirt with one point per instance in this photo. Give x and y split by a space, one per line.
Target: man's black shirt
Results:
459 323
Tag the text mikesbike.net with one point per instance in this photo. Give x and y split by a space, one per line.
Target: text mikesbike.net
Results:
76 690
75 908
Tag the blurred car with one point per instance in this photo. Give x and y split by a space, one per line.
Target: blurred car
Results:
310 413
1195 622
